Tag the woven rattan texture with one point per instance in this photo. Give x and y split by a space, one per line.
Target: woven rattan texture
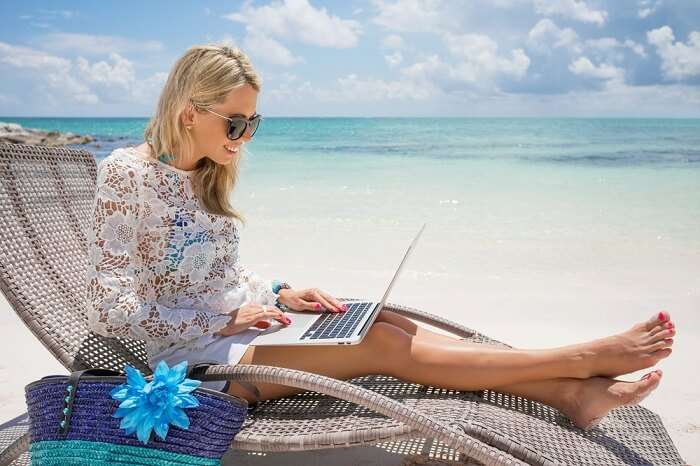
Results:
45 203
46 197
10 432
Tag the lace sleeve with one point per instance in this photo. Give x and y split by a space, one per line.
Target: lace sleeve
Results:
259 289
114 307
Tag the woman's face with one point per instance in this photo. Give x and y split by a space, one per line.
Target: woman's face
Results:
209 130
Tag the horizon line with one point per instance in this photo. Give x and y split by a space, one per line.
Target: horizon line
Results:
442 117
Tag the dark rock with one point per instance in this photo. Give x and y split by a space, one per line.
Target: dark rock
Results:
14 133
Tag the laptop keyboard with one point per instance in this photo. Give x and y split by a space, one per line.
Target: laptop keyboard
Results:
341 325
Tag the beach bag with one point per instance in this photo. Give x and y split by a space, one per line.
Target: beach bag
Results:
98 417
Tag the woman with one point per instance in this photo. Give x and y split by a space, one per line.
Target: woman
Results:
165 269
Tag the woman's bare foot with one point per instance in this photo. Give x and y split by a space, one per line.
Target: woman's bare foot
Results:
640 347
594 398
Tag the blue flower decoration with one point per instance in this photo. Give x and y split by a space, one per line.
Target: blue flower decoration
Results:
153 406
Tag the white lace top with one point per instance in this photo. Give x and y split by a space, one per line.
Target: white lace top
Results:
161 268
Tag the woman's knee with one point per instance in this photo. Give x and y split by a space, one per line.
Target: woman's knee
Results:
388 344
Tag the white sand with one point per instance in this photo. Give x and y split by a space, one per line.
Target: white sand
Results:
540 298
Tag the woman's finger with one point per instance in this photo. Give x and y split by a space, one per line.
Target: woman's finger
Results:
274 313
322 298
333 302
310 306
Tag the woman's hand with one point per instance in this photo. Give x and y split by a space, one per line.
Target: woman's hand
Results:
310 299
252 315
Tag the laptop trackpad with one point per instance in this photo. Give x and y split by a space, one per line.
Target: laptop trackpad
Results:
300 322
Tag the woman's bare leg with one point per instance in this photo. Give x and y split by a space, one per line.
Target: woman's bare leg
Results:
659 330
409 358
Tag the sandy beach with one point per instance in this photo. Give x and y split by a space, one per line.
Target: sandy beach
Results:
527 307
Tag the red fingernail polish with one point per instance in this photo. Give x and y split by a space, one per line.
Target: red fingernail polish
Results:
662 316
318 306
646 376
669 325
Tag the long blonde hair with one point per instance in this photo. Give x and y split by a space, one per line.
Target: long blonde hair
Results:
201 77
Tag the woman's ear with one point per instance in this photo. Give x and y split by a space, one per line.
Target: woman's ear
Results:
187 116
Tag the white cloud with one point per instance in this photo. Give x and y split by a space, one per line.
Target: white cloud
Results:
610 44
394 59
269 50
480 59
412 15
678 60
584 67
352 88
474 65
647 8
113 80
25 57
546 34
118 73
392 41
574 9
95 44
298 20
65 14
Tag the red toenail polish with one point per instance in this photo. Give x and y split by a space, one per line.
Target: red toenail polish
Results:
662 316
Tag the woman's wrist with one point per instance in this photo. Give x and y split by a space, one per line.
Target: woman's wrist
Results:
278 288
282 301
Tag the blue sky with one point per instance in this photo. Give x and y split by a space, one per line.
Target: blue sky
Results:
364 57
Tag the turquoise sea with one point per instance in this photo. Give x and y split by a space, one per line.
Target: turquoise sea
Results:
494 178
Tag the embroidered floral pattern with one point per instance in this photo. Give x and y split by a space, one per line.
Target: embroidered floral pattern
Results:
161 268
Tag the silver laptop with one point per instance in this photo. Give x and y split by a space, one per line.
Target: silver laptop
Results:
345 328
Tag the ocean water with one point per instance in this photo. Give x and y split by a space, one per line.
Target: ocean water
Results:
483 184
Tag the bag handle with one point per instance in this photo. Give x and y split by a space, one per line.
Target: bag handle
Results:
197 371
71 389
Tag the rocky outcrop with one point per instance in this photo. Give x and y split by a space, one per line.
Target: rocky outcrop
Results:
16 134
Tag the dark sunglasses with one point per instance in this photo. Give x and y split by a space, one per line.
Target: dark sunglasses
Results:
237 126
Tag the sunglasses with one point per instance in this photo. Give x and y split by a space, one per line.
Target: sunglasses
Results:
237 126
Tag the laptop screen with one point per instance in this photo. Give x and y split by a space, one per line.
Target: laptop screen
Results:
398 271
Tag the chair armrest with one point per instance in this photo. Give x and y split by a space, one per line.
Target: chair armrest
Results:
431 319
424 424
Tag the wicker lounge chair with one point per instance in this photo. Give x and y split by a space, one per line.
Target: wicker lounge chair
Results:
46 199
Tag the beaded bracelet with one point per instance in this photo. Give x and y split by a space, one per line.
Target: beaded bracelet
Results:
276 287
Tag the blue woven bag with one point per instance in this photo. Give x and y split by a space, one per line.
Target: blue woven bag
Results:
98 417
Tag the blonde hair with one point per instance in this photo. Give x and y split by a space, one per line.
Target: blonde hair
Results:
201 77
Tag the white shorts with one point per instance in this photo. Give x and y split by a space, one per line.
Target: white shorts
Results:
223 350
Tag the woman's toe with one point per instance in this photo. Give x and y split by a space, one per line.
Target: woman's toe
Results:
661 353
658 319
646 384
662 335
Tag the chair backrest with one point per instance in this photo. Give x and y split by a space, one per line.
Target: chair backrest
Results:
46 201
